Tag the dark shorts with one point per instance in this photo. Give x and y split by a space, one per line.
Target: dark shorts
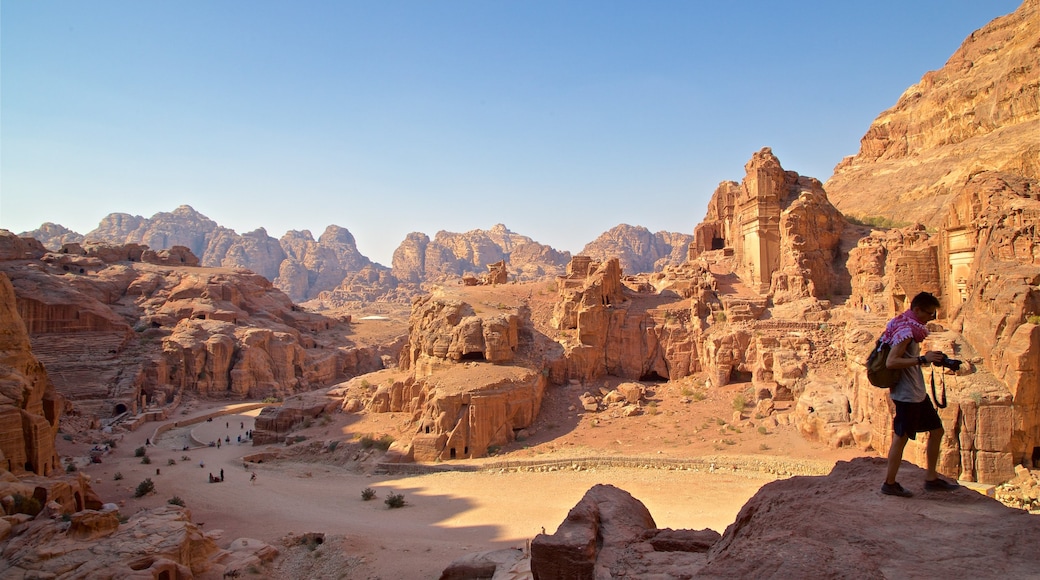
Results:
913 418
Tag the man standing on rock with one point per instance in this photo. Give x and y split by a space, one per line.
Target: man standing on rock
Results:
914 411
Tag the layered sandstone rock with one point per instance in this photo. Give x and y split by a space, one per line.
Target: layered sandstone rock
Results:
30 408
312 267
454 255
981 111
638 250
833 526
53 235
143 329
156 543
445 331
781 228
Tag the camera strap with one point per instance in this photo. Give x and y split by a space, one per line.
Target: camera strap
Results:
935 399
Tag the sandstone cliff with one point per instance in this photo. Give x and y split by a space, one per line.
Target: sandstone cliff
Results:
833 526
453 255
980 112
638 250
30 408
124 328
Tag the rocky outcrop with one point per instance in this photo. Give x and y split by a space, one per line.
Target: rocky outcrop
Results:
981 111
781 229
446 331
30 408
832 526
53 235
638 250
462 411
312 267
98 542
142 330
275 421
454 255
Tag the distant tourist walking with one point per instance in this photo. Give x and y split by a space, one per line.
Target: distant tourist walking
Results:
252 478
914 411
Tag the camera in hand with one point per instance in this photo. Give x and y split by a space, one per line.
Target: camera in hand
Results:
950 363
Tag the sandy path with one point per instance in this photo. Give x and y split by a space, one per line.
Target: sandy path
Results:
447 514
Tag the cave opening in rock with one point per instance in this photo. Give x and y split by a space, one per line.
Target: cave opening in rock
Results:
718 243
739 376
653 377
472 356
1036 457
451 453
119 409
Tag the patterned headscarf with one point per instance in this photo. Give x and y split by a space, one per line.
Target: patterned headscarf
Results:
903 327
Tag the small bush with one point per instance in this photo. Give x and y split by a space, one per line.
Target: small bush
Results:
146 460
171 461
333 445
118 476
394 500
368 493
762 430
175 500
25 505
144 488
651 408
739 402
763 447
699 396
70 468
67 437
729 442
1033 319
383 443
139 452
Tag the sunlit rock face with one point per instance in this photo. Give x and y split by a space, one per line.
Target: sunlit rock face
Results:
981 111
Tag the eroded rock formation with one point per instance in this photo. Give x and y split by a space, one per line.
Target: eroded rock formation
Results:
124 328
638 250
30 407
833 526
981 111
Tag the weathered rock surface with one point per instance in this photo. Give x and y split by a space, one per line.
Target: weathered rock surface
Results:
53 235
840 526
783 231
30 407
981 111
124 328
638 250
833 526
153 543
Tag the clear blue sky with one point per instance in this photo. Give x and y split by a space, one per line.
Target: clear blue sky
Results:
559 119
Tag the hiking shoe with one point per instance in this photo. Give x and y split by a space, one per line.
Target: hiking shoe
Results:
895 489
939 484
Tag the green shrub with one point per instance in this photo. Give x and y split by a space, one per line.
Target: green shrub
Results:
171 461
394 500
25 505
876 221
333 445
139 452
762 430
729 442
144 488
175 500
146 460
1033 319
70 468
118 476
368 493
739 402
651 408
383 443
699 396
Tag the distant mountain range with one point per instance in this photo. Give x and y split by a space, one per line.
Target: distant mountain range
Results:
304 268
